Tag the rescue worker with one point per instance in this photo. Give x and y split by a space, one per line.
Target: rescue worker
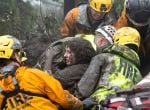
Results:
106 31
103 35
78 54
27 88
86 18
136 14
116 68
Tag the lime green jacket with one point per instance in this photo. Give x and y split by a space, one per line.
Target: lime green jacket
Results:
116 68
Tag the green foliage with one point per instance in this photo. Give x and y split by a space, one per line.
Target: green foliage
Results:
21 19
16 18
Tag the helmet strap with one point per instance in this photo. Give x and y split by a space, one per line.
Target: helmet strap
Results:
13 59
8 70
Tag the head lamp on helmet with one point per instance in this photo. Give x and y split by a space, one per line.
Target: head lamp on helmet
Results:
127 35
101 5
23 55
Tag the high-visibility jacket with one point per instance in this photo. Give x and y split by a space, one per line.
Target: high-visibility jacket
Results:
115 68
37 82
76 22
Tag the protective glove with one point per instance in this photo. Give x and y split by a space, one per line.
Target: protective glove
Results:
88 103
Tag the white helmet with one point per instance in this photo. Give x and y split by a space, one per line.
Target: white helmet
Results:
106 31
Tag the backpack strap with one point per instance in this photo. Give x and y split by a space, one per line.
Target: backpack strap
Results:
10 71
17 90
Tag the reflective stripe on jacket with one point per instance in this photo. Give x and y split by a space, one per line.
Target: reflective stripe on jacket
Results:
37 81
115 68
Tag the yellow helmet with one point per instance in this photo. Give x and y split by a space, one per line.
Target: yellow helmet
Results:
101 5
8 44
127 35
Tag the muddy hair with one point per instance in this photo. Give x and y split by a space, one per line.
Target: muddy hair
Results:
82 49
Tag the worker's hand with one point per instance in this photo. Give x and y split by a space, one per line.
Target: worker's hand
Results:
88 103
